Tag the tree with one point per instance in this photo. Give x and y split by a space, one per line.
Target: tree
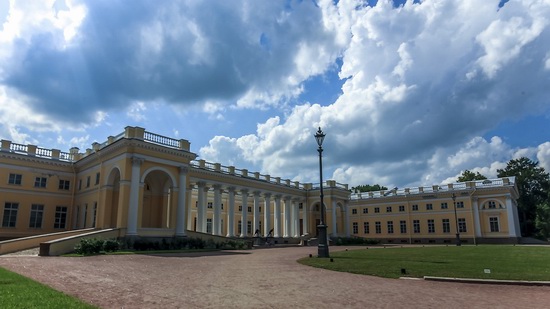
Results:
533 185
368 188
469 176
542 219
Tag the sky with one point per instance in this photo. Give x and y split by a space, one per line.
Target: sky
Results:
409 93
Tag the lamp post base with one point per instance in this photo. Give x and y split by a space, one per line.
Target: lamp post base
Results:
322 248
458 243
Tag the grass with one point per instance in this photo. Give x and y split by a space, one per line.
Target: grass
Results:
17 291
504 262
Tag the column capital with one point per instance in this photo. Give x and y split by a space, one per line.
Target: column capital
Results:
216 186
244 191
137 161
257 193
231 189
183 169
267 195
277 196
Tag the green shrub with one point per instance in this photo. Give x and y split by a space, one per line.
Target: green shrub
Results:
88 246
346 241
111 245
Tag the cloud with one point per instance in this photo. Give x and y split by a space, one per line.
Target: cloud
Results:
71 61
423 82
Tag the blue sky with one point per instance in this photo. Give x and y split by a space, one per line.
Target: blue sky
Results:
409 93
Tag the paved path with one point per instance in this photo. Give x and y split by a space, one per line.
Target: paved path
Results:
266 278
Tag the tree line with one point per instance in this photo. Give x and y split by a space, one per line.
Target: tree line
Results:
533 184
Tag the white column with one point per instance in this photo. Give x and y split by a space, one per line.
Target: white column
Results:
256 223
334 226
134 197
477 222
277 217
201 205
511 218
287 231
180 216
346 221
244 213
305 222
231 212
292 231
267 213
296 221
190 207
216 217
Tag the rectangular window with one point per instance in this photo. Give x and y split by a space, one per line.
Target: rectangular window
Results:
415 207
376 209
249 226
260 209
209 205
10 214
355 226
403 226
222 206
249 209
354 211
60 217
240 227
88 182
493 224
15 179
95 214
209 226
85 216
97 178
301 206
460 204
429 207
240 208
80 184
378 227
492 204
444 206
390 227
446 225
401 208
416 226
365 210
64 184
388 209
366 228
40 182
462 225
37 212
431 226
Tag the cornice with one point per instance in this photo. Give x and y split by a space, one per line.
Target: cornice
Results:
34 159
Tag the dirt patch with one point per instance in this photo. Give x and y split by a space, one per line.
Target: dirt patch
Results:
264 278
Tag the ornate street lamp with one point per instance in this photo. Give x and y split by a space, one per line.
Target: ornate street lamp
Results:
456 221
322 250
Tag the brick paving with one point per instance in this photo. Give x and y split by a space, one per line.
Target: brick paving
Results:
261 278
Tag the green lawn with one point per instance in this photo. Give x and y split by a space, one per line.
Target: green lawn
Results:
17 291
504 262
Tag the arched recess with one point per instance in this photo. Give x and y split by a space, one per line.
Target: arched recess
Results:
314 218
340 220
157 198
112 197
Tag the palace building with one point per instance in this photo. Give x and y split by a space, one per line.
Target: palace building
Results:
148 185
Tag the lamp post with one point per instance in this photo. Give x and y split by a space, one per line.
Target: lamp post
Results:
322 249
456 221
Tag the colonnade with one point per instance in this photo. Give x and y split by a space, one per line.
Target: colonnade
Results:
283 220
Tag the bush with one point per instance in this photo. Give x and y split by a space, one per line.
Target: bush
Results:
88 246
111 245
346 241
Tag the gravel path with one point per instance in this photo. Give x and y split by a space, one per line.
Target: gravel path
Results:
265 278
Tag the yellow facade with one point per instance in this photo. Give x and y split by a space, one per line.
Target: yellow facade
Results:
150 185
